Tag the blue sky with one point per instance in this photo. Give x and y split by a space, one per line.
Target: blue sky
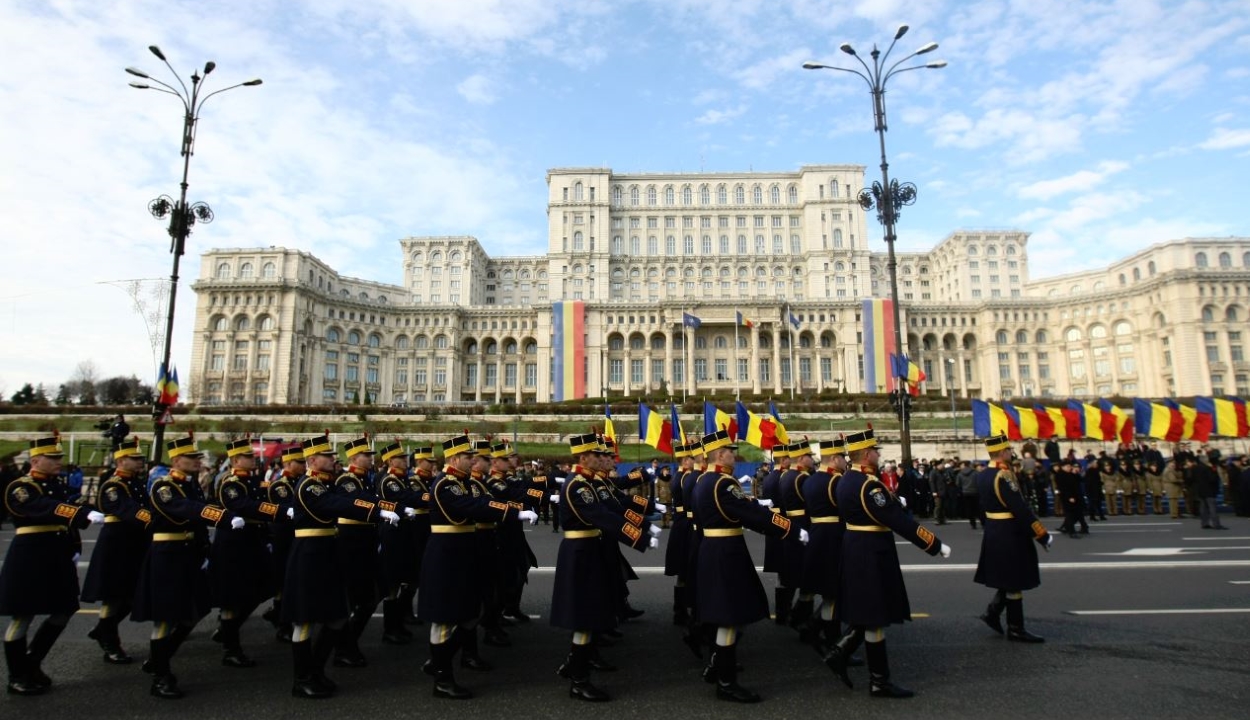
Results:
1099 127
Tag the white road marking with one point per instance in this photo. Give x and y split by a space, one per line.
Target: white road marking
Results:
966 567
1217 537
1168 552
1239 582
1175 611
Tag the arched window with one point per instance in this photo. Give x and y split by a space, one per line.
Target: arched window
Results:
577 191
757 195
1231 314
241 323
1200 260
700 343
223 271
972 249
401 342
423 342
578 241
616 342
833 187
1022 338
1011 249
705 195
264 322
793 195
721 342
1072 334
740 195
668 196
1097 332
509 347
774 195
651 196
1000 337
375 340
491 347
353 338
636 342
1208 314
220 325
245 270
531 348
269 270
991 250
332 335
633 195
616 195
687 197
1150 266
440 342
1041 337
837 237
617 247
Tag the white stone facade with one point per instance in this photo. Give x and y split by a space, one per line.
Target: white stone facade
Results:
276 325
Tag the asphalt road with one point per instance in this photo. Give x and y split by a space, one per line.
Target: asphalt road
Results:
1147 617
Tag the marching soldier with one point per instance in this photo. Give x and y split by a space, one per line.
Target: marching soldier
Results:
240 561
118 557
1008 559
730 594
450 598
174 592
871 592
358 547
696 637
40 573
514 558
315 592
823 561
280 491
397 544
521 480
419 482
1154 485
676 554
582 598
790 490
486 565
774 552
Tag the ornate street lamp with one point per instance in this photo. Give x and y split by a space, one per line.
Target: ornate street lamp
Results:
181 215
887 196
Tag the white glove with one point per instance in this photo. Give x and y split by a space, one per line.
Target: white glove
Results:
661 508
902 501
290 513
1050 540
204 565
76 558
95 516
946 550
555 499
237 522
653 543
803 536
561 481
655 531
410 512
528 516
389 516
764 502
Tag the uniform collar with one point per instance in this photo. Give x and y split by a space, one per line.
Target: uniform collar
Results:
319 475
178 475
865 469
453 472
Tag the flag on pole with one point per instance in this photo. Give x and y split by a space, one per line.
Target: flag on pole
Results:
167 387
761 431
609 429
654 430
715 419
679 433
989 419
909 372
1197 426
794 321
743 321
1122 424
690 321
1228 415
783 437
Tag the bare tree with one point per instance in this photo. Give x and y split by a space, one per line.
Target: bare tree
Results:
83 381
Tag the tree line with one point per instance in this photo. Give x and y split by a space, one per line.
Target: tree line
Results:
86 387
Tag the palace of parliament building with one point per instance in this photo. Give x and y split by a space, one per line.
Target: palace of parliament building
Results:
775 267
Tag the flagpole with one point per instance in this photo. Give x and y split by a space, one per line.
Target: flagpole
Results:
794 376
685 390
737 390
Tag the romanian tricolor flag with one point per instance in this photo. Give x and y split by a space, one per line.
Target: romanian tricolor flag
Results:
609 428
1197 426
679 433
878 332
1121 424
715 419
654 430
167 387
1091 420
1158 421
910 372
743 321
1025 421
989 419
1228 415
568 346
782 435
761 430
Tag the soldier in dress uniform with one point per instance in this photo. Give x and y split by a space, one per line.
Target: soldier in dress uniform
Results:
698 635
823 561
397 543
40 573
582 599
790 490
522 480
118 556
419 482
358 547
450 598
514 557
240 563
174 592
315 592
769 490
1008 560
634 508
871 592
676 554
730 594
486 566
280 490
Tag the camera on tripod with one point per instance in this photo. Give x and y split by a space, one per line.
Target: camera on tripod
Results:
103 425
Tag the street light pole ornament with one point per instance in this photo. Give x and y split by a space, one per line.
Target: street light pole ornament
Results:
901 195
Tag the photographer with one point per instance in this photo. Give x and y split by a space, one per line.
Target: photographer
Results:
117 432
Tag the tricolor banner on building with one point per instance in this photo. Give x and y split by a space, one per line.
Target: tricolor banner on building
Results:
878 324
568 347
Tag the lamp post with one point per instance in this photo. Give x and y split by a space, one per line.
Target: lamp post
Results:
181 215
950 386
888 197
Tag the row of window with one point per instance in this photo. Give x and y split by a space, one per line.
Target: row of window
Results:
636 194
242 323
705 247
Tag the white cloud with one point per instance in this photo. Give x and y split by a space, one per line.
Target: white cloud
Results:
1225 139
1076 182
716 117
477 89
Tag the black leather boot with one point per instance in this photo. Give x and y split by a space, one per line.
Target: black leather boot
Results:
40 645
681 615
347 649
164 683
466 639
233 655
306 685
782 598
801 613
1015 623
393 630
838 659
445 685
579 672
326 641
727 687
18 661
406 597
993 612
879 673
105 634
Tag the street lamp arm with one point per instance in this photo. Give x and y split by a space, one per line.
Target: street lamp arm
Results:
141 86
821 66
199 105
175 74
926 66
